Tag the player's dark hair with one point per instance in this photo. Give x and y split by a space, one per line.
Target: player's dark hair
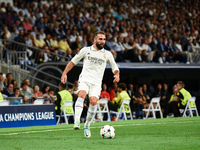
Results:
99 32
122 86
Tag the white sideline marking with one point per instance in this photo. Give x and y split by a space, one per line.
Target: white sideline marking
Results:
92 127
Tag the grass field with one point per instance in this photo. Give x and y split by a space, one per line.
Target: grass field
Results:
155 134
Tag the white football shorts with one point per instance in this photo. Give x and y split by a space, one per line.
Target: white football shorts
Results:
91 89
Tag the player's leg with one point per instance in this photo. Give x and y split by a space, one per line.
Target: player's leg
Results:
90 115
94 96
79 108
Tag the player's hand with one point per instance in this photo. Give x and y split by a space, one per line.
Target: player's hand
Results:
64 78
116 78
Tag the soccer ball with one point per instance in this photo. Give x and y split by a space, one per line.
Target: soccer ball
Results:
107 132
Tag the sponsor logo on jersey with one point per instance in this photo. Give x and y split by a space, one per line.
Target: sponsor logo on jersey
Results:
96 60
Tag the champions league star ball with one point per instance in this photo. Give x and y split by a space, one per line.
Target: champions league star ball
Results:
107 132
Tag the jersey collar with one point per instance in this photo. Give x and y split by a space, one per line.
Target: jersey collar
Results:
93 49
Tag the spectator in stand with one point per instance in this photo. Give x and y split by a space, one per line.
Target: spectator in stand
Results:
27 95
64 46
29 89
56 57
14 33
156 51
8 20
39 43
8 91
16 91
14 82
8 79
104 94
34 31
69 55
189 50
40 57
160 45
50 97
40 24
76 46
6 32
36 91
118 49
130 50
112 91
73 36
57 31
14 16
27 24
21 16
50 30
163 59
84 41
54 42
177 52
42 34
1 81
19 38
15 7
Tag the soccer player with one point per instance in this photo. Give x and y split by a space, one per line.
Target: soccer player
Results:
95 59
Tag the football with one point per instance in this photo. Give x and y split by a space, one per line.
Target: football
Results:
107 132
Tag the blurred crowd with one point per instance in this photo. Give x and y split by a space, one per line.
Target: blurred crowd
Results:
163 31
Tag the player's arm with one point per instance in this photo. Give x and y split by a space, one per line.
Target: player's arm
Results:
114 67
71 64
116 76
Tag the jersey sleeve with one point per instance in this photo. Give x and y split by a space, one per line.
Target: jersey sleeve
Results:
80 55
112 62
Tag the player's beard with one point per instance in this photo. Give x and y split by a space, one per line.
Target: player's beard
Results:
99 46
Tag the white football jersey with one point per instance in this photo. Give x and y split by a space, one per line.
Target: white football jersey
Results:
94 64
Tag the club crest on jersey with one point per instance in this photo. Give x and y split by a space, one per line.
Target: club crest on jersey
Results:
104 55
88 53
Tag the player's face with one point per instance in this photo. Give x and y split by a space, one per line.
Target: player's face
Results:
100 41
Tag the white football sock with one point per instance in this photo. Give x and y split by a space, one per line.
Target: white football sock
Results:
90 114
78 108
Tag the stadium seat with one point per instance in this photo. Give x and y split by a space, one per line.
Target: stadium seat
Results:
104 109
122 110
64 114
4 103
155 100
38 102
189 109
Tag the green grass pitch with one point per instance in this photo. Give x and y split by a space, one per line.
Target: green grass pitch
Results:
150 134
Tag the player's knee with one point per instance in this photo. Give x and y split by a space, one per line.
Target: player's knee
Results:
82 94
93 101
